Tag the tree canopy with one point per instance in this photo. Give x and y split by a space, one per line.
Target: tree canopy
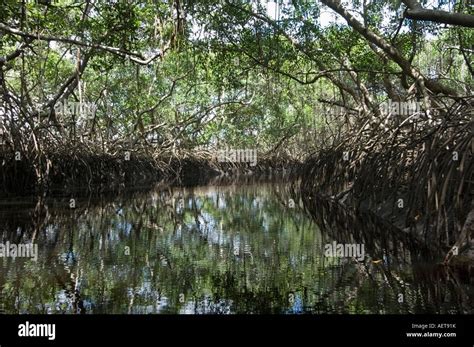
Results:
184 74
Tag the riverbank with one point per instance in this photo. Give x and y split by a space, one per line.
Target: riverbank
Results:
80 170
419 178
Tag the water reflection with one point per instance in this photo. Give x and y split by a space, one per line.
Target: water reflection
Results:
242 248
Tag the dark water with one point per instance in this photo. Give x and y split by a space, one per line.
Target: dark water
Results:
215 249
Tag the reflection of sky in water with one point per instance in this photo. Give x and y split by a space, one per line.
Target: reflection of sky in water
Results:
234 249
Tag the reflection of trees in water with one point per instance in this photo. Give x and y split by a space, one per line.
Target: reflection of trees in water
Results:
390 251
223 249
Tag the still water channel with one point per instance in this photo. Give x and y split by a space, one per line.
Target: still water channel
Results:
227 249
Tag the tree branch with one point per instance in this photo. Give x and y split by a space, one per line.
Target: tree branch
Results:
417 12
390 50
135 57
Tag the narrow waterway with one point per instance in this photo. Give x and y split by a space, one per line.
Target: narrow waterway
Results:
240 248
